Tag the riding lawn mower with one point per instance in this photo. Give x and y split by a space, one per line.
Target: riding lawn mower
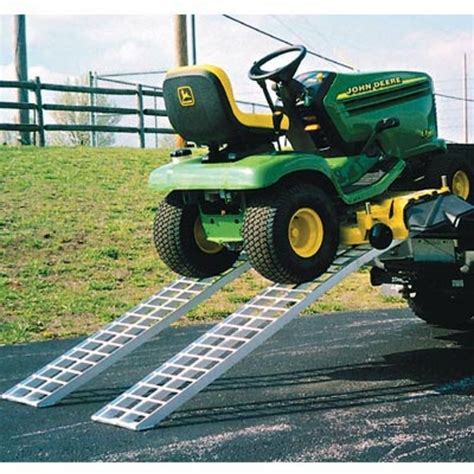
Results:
365 165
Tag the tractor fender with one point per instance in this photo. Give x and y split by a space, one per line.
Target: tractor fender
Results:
249 173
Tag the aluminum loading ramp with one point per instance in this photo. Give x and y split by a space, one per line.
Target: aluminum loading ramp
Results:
99 351
172 384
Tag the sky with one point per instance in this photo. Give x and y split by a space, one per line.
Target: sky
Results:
69 46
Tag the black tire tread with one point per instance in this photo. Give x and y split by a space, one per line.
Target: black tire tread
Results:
175 251
258 230
440 309
261 254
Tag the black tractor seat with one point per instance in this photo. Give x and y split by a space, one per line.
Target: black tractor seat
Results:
201 108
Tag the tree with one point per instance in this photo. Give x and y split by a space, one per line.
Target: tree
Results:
8 138
62 117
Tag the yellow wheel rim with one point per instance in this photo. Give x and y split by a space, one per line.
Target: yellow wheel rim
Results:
305 232
201 241
461 185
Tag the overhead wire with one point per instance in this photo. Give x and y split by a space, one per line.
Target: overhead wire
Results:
318 55
289 43
293 32
454 97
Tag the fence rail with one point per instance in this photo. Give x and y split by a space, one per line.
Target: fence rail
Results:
39 107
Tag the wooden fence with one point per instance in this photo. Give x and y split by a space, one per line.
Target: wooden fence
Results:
139 91
39 107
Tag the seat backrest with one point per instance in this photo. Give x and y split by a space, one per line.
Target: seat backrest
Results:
201 108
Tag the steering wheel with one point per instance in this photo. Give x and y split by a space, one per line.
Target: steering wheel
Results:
281 74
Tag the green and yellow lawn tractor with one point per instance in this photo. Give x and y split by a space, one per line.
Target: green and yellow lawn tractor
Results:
356 140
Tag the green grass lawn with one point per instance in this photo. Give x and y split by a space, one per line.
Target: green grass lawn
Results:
76 249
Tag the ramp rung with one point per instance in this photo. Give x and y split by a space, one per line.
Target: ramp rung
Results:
182 367
40 377
107 346
162 391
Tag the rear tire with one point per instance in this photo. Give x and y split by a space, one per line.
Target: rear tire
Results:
439 308
181 244
461 182
291 233
459 172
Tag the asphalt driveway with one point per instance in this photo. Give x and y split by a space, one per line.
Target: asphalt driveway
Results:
378 386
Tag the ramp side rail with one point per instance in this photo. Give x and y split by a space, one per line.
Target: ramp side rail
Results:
90 357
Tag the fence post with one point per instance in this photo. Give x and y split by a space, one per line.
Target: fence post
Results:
92 104
155 106
39 110
141 116
35 122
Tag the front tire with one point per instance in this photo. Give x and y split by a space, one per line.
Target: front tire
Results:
291 233
181 243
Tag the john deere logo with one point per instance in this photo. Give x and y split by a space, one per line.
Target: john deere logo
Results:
186 96
373 86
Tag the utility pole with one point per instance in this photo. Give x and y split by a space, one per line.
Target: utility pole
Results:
21 70
181 40
466 110
181 49
193 38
